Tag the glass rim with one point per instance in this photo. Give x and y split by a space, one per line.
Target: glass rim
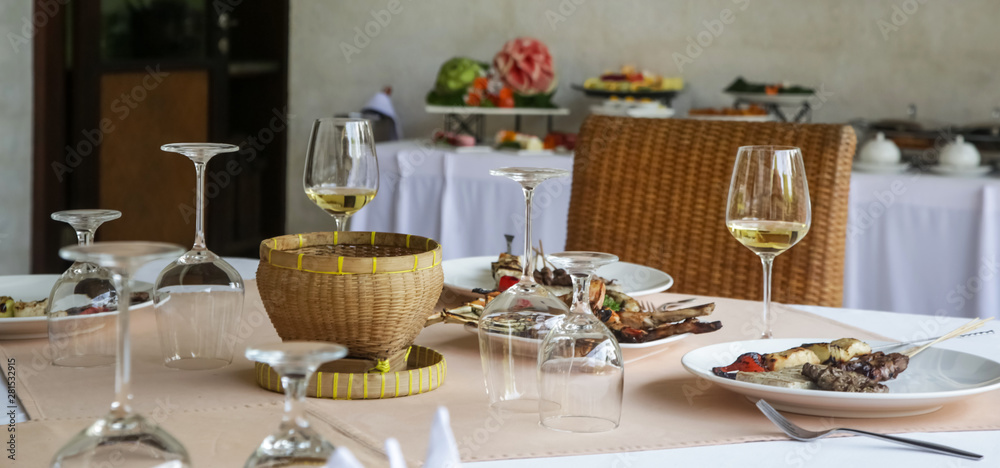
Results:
183 148
775 148
343 120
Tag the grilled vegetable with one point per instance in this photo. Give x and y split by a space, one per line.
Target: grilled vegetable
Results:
6 307
789 358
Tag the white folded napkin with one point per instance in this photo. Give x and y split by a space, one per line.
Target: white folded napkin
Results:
442 450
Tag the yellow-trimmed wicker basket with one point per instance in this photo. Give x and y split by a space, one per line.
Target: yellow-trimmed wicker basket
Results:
369 291
426 370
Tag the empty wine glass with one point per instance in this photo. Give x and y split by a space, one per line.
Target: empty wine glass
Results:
122 438
80 322
341 174
198 298
768 209
513 324
581 373
294 443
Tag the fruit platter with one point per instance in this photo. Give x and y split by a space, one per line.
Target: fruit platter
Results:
521 74
630 82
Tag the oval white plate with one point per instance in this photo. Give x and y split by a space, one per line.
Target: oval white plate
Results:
781 99
932 379
732 118
895 168
34 288
651 344
474 272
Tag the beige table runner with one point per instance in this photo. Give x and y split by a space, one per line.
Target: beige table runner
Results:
665 406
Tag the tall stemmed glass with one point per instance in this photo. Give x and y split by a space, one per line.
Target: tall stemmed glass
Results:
514 323
341 174
768 209
81 329
581 373
198 298
122 438
294 443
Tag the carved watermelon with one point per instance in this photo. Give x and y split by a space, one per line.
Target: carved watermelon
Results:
525 65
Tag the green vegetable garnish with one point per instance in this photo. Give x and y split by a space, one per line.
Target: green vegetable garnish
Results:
610 303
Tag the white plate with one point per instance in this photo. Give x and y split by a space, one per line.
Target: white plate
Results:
471 328
896 168
636 280
781 99
732 118
934 378
34 288
961 171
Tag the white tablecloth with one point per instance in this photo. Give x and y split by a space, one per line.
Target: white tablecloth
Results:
926 244
452 198
917 243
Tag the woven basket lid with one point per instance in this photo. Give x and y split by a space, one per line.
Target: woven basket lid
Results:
426 371
350 253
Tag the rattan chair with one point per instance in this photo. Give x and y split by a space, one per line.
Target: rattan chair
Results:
654 191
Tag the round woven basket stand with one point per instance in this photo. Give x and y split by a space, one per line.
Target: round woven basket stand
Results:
369 291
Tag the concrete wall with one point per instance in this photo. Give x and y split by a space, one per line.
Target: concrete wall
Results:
871 58
15 138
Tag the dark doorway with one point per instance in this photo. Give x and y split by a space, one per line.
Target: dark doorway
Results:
115 79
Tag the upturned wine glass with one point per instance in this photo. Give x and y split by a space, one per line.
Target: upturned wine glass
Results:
198 298
513 324
768 209
341 173
294 443
122 438
80 322
581 373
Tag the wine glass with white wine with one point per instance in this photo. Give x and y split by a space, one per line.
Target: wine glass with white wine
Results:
341 174
768 209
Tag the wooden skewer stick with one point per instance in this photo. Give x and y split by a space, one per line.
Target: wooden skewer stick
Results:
974 324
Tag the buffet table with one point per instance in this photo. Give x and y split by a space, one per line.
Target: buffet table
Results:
221 415
917 243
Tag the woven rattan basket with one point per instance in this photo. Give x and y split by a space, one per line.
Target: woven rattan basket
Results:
369 291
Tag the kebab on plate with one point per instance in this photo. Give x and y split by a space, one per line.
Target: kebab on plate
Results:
844 365
620 312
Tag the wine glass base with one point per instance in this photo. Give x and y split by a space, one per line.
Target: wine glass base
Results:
131 441
578 424
95 360
197 363
291 447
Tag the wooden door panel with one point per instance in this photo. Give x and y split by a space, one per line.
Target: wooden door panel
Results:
153 189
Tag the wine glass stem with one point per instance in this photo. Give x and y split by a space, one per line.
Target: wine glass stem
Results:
581 293
767 261
527 270
199 217
84 236
295 397
123 365
340 221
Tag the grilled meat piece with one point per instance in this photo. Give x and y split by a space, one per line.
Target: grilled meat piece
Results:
666 316
839 380
691 325
877 366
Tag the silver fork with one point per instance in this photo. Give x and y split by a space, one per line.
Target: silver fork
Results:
804 435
